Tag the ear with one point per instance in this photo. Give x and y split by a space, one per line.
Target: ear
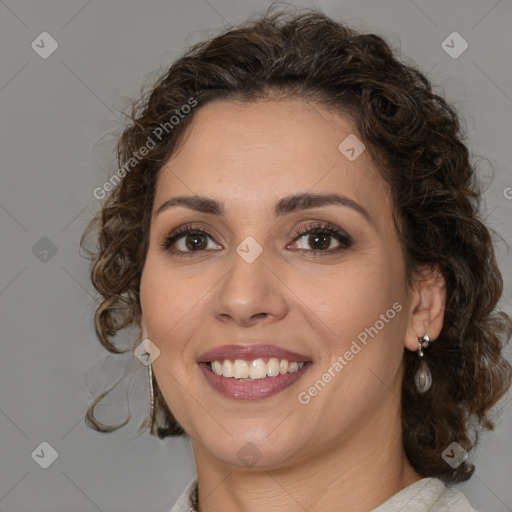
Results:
427 306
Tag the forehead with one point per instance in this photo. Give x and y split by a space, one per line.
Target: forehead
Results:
247 153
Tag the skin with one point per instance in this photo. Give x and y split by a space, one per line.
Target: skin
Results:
343 449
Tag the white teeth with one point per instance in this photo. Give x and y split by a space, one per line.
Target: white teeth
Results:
293 367
254 370
258 369
227 369
217 367
240 369
273 367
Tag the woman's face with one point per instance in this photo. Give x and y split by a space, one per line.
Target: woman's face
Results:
255 284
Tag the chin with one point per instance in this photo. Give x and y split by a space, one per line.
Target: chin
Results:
255 448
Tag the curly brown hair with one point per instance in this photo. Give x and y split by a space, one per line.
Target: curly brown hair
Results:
414 138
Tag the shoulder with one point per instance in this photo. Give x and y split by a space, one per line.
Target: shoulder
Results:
453 501
427 495
185 502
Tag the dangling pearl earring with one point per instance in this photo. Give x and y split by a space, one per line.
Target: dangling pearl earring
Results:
423 377
152 398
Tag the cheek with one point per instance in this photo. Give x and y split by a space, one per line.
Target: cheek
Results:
176 304
165 301
170 316
353 297
364 309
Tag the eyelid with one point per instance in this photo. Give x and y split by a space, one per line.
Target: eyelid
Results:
323 227
183 230
343 238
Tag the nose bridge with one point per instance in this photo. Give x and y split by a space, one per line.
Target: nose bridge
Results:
249 287
248 269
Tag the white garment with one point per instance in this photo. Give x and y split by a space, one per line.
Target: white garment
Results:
425 495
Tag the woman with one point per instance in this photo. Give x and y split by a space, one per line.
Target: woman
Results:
296 232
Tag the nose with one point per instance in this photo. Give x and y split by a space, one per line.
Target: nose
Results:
250 293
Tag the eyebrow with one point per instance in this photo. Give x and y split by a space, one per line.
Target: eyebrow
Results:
288 204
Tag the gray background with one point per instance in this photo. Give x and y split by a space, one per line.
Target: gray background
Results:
59 116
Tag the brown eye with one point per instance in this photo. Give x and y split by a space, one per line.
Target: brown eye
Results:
195 241
319 240
319 237
316 241
188 240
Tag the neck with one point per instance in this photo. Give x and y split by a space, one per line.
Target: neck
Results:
358 473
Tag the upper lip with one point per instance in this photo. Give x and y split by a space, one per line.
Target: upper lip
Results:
250 352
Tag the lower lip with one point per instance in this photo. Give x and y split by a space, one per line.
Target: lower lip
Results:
251 389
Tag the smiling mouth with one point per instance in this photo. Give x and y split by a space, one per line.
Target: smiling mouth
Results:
248 380
257 369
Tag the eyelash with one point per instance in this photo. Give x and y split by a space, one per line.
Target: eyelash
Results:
325 228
